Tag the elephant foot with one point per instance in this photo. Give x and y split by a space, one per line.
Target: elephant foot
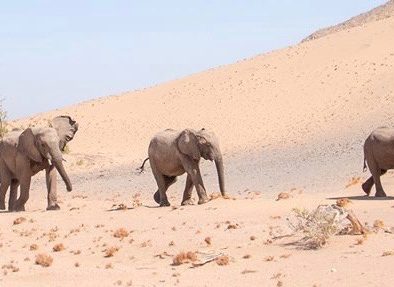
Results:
164 203
187 202
203 200
366 188
18 208
380 194
53 207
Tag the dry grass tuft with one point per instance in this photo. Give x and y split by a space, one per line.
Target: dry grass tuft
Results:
110 251
222 260
58 247
121 233
19 220
11 267
33 247
44 260
184 257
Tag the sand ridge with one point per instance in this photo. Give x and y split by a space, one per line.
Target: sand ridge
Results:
292 120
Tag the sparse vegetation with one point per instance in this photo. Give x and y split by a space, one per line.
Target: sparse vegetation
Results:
110 251
58 247
121 233
184 257
222 260
317 225
44 260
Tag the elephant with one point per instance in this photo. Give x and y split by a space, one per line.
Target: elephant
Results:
23 153
379 155
172 153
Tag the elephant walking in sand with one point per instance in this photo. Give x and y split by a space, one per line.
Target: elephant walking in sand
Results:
25 153
172 153
379 155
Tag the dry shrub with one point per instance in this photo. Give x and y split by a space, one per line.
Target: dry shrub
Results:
44 260
33 247
222 260
184 257
19 220
317 225
58 247
121 233
208 240
110 251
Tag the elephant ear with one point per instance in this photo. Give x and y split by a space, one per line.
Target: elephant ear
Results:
27 145
66 128
188 145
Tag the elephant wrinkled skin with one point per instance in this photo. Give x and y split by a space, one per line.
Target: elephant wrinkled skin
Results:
25 153
379 155
172 153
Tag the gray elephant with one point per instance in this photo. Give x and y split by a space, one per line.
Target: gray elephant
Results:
379 155
25 153
172 153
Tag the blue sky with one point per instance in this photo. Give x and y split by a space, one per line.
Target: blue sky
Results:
56 53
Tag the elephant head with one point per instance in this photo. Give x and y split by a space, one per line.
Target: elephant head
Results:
66 128
206 145
40 144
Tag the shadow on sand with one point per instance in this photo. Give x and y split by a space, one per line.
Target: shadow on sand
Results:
363 197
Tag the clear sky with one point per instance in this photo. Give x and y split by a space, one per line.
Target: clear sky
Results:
56 53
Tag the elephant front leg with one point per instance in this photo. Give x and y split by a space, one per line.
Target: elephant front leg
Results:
187 194
195 175
5 183
24 194
51 181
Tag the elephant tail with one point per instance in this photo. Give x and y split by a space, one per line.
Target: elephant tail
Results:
141 168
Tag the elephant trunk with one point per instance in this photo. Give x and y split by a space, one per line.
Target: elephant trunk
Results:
57 161
220 170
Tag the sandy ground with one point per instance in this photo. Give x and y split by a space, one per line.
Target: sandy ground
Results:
292 120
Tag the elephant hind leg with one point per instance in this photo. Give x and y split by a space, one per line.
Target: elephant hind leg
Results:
368 184
163 183
5 183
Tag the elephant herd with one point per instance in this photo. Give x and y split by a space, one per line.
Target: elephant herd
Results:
23 153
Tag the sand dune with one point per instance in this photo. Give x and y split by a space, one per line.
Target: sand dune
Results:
291 120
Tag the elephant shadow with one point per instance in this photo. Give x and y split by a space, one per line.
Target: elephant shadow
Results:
362 197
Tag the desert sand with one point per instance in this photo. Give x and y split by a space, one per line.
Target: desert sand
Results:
292 120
